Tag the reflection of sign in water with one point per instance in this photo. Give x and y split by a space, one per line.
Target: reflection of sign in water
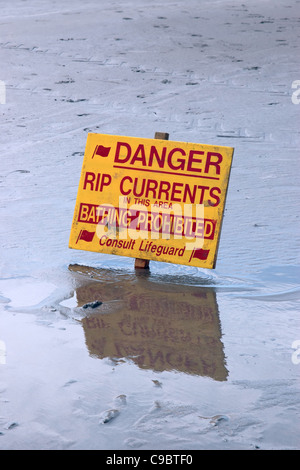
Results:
151 199
158 326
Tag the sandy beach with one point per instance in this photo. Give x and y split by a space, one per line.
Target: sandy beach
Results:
177 357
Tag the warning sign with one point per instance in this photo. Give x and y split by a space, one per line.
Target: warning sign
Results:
151 199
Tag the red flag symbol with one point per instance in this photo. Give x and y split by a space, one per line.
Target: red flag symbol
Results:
199 254
101 151
85 235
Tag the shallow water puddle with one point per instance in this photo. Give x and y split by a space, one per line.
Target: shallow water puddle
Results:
25 291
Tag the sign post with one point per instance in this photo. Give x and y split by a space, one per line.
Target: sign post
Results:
151 199
139 262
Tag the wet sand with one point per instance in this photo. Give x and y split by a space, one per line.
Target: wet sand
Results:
96 355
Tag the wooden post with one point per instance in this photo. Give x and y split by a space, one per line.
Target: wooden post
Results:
139 262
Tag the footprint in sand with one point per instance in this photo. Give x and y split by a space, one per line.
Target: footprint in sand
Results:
109 415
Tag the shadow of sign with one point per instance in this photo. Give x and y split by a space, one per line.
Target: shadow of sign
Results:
161 326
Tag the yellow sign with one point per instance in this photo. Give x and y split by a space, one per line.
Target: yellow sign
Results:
151 199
